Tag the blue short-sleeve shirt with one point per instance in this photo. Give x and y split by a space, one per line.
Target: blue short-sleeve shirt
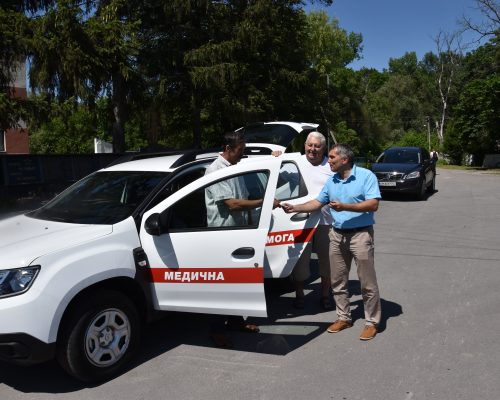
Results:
361 185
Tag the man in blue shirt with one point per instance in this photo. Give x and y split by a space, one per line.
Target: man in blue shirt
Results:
353 195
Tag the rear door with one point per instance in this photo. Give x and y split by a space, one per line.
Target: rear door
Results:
289 234
204 269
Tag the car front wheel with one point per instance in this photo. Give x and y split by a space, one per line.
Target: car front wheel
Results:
100 336
420 194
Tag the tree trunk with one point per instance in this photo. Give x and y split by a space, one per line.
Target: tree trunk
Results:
153 132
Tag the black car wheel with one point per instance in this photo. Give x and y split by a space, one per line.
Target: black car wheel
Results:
421 190
100 336
432 187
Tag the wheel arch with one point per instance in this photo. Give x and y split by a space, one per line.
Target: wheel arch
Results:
127 286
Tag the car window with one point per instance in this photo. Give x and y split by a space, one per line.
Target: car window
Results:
272 133
205 208
179 181
290 183
400 157
101 198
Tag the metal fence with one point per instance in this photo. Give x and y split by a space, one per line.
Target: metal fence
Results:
45 175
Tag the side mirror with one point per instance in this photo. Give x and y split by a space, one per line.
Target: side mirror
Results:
153 225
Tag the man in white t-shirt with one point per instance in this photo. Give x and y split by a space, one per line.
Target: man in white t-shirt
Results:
318 173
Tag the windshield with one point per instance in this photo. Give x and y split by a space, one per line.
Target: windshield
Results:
101 198
272 134
402 156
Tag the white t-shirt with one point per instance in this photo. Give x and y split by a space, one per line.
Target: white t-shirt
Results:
317 177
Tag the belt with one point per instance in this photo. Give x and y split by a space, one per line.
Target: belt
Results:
351 230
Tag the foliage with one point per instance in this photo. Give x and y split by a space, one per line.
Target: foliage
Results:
413 139
13 44
343 134
67 127
479 117
452 145
477 113
178 74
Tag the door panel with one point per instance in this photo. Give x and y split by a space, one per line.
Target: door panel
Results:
218 269
289 233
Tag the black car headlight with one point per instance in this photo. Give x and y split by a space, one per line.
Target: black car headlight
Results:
17 281
412 175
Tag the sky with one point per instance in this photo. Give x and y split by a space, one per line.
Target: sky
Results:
390 28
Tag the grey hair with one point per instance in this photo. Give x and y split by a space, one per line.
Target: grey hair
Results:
319 136
343 150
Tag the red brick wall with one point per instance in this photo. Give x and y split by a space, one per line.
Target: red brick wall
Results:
18 93
16 141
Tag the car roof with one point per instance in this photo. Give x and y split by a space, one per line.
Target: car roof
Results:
399 148
157 163
276 135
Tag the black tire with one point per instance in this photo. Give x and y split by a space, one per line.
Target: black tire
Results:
432 187
100 336
421 190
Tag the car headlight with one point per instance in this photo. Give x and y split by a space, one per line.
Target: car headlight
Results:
413 175
17 281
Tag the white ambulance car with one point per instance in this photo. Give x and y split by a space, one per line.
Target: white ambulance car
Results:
82 274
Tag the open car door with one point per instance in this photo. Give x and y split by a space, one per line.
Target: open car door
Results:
289 234
211 269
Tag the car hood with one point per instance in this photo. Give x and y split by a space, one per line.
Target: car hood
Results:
24 239
394 167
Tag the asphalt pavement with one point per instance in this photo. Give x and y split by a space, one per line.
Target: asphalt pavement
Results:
438 266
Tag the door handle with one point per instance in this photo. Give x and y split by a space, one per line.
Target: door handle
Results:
299 217
244 252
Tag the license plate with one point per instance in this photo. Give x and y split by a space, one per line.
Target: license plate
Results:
387 183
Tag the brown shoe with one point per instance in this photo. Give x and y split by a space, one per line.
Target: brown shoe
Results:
369 332
338 326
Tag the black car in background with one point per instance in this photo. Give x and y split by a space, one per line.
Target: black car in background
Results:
406 170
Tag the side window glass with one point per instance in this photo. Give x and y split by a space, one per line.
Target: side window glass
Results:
290 183
179 182
209 207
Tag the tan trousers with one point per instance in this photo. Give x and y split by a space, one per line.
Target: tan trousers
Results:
344 247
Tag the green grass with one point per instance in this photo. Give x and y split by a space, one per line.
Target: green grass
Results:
466 168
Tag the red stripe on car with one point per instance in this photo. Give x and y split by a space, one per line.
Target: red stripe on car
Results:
207 275
290 237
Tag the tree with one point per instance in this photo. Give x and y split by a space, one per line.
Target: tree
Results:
84 49
477 114
489 26
445 67
329 95
252 67
13 47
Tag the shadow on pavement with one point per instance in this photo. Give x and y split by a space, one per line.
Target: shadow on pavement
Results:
279 335
175 329
405 197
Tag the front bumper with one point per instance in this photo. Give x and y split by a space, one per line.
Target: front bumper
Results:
400 186
23 349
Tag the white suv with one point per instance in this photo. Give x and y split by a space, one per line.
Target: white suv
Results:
79 276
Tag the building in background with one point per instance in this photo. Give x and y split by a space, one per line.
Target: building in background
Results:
16 140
